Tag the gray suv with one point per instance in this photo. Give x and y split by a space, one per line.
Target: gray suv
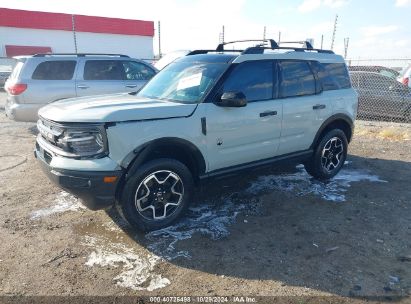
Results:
45 78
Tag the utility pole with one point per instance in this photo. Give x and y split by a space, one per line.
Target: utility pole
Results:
159 40
334 32
265 32
346 41
222 35
73 27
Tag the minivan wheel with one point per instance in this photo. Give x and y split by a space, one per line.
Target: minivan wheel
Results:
329 155
157 194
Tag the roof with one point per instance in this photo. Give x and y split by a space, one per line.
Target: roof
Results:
58 21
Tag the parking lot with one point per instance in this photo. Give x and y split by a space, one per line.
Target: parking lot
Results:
271 232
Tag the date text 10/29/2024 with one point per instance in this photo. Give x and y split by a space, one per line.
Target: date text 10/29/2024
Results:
206 299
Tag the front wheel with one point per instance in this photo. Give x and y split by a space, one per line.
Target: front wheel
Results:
329 155
157 194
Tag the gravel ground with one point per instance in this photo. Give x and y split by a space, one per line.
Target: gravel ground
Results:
270 232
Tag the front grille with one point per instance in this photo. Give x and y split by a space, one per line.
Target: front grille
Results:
49 131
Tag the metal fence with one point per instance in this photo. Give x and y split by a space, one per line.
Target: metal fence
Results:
383 94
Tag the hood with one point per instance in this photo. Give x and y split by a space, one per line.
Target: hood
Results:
113 108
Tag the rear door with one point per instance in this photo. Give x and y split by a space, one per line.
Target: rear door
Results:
100 76
136 74
304 106
51 80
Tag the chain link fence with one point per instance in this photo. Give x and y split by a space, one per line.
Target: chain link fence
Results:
384 88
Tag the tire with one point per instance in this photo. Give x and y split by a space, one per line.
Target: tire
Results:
157 194
332 148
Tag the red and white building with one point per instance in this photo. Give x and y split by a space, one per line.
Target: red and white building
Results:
29 32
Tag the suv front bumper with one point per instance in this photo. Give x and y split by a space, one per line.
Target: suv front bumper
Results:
89 186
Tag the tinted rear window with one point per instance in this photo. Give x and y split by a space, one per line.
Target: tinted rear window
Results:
55 70
333 76
296 79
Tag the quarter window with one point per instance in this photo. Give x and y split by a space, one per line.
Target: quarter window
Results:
103 70
296 79
55 70
333 76
253 78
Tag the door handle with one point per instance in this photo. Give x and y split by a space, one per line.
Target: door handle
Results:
131 85
319 107
268 113
82 86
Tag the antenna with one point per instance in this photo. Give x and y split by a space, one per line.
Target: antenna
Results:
264 33
334 32
346 41
322 40
279 37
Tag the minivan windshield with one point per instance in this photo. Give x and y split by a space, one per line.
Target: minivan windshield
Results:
184 82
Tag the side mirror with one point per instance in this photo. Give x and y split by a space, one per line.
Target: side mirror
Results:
233 100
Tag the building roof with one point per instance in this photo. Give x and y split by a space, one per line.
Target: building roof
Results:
58 21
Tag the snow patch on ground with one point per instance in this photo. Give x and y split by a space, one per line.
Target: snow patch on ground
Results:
301 183
64 202
137 271
212 219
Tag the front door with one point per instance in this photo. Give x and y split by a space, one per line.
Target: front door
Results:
251 133
100 76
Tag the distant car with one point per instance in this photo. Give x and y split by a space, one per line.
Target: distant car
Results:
45 78
405 76
376 69
381 96
6 66
169 58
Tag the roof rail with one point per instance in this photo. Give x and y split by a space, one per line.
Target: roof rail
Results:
259 49
272 42
306 44
197 52
78 54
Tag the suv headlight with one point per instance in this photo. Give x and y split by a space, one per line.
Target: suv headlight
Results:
83 142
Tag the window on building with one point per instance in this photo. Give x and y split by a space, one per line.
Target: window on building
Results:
55 70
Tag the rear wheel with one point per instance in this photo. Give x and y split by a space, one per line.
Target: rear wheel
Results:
157 194
329 155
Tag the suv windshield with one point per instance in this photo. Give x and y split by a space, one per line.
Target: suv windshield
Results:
185 82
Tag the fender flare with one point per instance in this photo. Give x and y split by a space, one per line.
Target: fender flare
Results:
332 119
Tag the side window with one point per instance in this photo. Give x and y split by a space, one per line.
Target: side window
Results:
296 79
103 70
333 76
137 71
253 78
55 70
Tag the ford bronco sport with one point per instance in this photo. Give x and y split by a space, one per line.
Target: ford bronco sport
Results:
209 113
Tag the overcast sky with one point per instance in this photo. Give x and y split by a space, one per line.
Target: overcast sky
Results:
376 28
